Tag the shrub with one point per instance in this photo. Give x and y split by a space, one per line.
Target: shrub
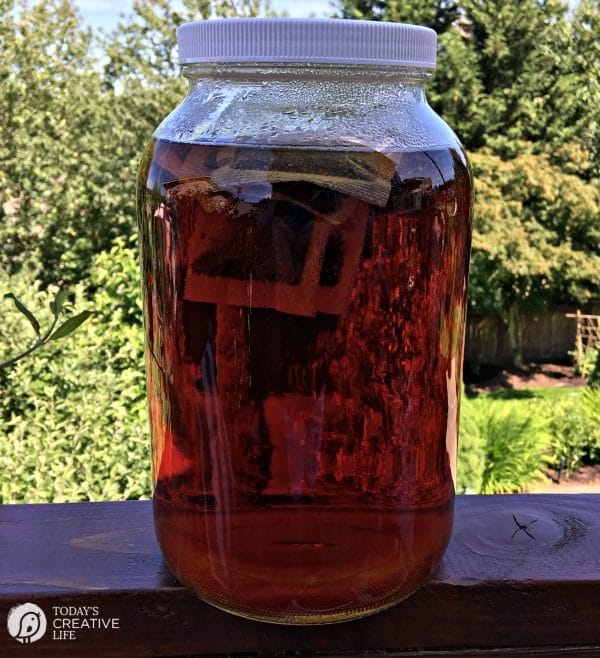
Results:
589 365
73 420
575 428
471 449
517 447
513 438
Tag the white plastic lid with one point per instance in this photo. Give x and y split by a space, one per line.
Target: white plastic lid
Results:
318 41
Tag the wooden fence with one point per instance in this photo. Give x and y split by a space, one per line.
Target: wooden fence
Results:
547 336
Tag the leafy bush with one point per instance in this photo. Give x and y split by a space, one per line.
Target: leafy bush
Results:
73 420
471 449
517 447
519 437
588 365
575 428
513 438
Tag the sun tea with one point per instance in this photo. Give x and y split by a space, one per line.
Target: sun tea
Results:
304 323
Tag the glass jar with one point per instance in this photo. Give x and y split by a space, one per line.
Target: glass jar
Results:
304 220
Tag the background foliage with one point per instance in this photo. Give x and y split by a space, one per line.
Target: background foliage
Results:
73 417
509 438
520 82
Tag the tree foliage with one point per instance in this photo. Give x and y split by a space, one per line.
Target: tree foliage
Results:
144 46
73 418
437 14
75 114
60 185
537 233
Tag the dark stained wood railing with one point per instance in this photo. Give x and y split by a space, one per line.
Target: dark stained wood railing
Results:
521 578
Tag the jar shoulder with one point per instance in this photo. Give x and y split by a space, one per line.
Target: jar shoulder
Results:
362 117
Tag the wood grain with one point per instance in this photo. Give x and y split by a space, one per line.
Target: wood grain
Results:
521 577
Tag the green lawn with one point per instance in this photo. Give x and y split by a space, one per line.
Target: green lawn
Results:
555 393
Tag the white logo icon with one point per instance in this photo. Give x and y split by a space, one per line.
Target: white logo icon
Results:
26 623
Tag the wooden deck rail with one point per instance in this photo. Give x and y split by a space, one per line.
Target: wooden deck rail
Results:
500 591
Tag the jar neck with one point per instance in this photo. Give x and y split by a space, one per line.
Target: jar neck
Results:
308 106
356 80
340 72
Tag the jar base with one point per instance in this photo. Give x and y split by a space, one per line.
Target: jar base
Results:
308 619
303 565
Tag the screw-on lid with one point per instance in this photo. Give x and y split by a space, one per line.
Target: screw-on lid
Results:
318 41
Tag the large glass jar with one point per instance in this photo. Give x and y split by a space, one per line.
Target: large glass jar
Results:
304 220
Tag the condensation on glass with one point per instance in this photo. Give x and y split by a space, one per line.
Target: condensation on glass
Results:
305 237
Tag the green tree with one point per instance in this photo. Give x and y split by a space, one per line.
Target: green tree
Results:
58 175
437 14
573 132
71 133
539 78
144 46
457 89
536 238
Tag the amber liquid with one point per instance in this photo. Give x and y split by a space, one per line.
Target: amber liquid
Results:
304 321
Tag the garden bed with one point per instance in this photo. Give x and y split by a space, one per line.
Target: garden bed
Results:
512 434
528 376
585 479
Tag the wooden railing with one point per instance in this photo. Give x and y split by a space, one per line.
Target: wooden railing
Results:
521 578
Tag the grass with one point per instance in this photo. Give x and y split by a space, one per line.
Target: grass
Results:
529 394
